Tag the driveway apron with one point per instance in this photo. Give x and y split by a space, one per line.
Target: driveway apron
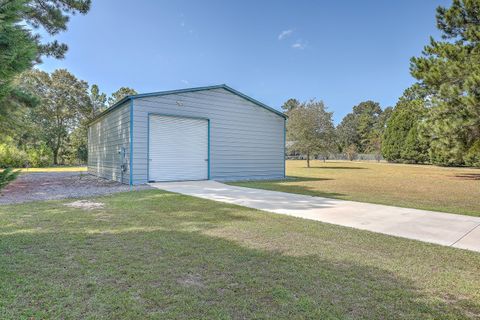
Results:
435 227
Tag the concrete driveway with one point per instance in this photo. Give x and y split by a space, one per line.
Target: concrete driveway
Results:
435 227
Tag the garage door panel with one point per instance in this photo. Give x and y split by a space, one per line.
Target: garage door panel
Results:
178 149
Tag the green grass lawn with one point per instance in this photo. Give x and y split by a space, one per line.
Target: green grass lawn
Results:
455 190
54 169
152 254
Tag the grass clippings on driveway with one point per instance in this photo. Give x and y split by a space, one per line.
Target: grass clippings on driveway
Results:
152 254
453 190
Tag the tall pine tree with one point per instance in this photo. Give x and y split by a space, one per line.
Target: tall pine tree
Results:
21 46
450 69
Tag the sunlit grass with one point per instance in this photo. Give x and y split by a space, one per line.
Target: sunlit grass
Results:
157 255
53 169
455 190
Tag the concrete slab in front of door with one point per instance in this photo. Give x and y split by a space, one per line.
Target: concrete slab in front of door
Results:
429 226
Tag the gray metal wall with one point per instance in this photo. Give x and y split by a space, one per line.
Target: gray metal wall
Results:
106 136
246 140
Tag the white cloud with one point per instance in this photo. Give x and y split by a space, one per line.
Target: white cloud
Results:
299 44
185 81
284 34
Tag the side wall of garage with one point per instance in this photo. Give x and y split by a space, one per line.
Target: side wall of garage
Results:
246 140
106 137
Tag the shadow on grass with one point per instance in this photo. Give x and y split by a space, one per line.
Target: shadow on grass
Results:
171 273
468 176
300 179
334 168
164 255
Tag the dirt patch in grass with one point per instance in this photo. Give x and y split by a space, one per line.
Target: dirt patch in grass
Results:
191 280
85 205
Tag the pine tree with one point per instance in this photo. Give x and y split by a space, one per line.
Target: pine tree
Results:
450 70
415 149
401 134
120 94
359 126
17 53
21 46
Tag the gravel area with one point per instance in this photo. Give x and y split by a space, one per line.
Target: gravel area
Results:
59 185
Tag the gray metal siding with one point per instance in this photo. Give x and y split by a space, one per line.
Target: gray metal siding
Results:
246 140
106 136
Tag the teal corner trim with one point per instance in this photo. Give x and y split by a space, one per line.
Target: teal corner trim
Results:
148 147
131 143
285 148
208 141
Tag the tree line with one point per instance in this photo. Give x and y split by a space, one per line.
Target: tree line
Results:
43 117
311 132
55 130
435 121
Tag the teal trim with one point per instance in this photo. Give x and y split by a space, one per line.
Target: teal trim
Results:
175 116
208 154
148 147
285 148
162 93
131 143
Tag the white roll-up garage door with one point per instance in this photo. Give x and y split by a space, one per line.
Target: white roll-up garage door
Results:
178 149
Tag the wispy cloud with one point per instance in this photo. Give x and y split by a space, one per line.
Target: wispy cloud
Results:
185 81
284 34
299 44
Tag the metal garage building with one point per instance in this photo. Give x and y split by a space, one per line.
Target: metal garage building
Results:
202 133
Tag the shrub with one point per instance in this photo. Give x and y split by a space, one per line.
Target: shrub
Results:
11 156
7 176
472 157
41 156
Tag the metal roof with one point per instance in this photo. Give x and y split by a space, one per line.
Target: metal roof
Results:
162 93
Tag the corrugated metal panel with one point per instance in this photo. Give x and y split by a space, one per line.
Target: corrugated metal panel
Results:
178 148
246 141
106 136
190 90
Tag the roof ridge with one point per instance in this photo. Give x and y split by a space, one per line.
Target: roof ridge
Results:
193 89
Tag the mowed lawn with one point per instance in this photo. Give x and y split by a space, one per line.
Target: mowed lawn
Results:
54 169
455 190
157 255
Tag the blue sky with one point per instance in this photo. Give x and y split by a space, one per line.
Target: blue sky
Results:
341 52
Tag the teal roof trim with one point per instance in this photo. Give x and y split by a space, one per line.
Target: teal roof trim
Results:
163 93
